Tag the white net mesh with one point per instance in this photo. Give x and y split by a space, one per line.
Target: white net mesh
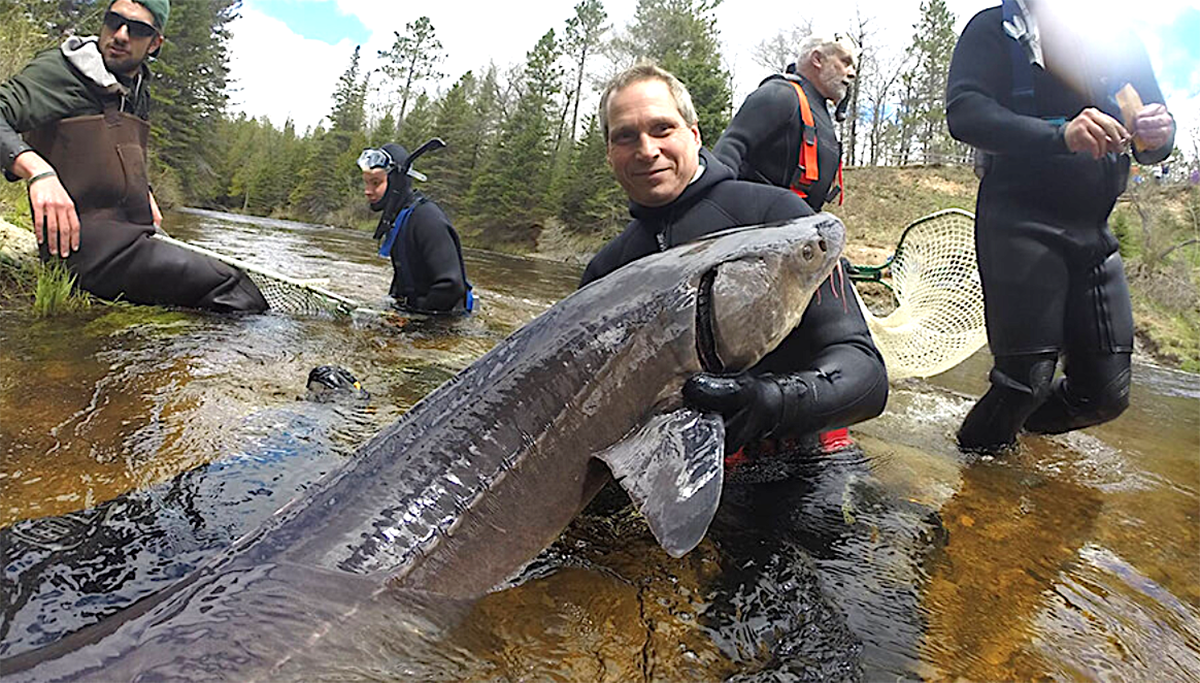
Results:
284 294
938 322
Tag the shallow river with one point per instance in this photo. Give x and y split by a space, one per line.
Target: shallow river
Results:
137 443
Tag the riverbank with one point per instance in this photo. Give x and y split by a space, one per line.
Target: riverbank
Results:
1158 226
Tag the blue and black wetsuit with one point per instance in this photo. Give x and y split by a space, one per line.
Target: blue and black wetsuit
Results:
1053 280
428 271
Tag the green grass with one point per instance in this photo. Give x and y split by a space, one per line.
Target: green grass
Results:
882 201
55 292
14 204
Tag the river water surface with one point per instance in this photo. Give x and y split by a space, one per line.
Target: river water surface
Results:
137 443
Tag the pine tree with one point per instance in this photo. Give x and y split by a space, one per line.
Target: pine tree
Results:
189 93
580 41
385 130
932 47
418 125
413 59
510 192
328 176
451 170
349 98
682 37
592 202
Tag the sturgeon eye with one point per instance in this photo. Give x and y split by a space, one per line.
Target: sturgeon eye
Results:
807 252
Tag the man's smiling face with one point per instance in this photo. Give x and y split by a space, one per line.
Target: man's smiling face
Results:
653 152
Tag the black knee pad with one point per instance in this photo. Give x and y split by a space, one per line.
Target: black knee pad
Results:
1096 390
1031 374
1111 399
1019 385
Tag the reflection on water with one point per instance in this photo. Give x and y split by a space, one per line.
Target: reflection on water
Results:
136 443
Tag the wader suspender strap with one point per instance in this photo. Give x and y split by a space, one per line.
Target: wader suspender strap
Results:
841 185
1024 99
807 158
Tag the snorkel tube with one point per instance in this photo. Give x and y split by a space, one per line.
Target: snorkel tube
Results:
406 167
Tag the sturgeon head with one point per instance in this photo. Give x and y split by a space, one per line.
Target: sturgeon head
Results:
749 302
747 290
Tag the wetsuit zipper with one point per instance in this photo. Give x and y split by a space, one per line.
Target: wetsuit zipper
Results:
663 237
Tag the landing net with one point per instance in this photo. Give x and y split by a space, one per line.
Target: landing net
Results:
938 322
283 294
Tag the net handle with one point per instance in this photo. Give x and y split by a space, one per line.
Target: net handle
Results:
864 273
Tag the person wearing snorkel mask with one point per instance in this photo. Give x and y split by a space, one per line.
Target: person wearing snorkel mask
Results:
74 125
428 270
1036 88
784 134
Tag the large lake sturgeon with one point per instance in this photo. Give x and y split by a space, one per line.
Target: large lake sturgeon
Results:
487 470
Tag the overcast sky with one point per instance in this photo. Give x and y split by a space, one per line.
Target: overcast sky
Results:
287 54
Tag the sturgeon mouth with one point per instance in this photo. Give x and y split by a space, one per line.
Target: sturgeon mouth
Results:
706 341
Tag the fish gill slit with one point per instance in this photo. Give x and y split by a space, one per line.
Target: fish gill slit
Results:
706 343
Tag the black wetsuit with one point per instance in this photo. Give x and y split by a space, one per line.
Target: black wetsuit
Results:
763 140
427 264
96 140
830 352
1053 280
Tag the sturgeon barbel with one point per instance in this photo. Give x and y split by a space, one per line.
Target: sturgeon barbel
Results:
486 471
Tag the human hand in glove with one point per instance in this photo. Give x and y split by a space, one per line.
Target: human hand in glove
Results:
751 405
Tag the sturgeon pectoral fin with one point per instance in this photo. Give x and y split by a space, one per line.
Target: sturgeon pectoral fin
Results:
673 468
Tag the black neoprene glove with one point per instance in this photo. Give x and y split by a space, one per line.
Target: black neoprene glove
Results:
754 406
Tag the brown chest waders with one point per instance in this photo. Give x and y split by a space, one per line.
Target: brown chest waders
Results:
101 161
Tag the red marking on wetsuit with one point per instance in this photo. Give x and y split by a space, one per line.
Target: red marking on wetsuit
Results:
835 440
736 458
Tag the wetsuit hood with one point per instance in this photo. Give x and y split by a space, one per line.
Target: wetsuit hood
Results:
399 190
399 193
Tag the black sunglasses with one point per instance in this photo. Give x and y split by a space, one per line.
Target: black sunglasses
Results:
137 29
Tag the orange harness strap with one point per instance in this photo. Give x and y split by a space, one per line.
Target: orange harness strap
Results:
842 185
808 145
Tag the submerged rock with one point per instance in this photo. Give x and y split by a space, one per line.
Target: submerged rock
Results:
18 246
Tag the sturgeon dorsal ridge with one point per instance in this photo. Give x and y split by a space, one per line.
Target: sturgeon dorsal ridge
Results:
673 468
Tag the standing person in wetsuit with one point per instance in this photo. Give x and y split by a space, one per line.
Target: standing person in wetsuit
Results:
428 271
1037 99
83 110
770 140
827 372
784 135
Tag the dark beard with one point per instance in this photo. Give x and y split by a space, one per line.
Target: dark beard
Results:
123 67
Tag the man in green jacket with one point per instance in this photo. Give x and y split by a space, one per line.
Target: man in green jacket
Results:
73 125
